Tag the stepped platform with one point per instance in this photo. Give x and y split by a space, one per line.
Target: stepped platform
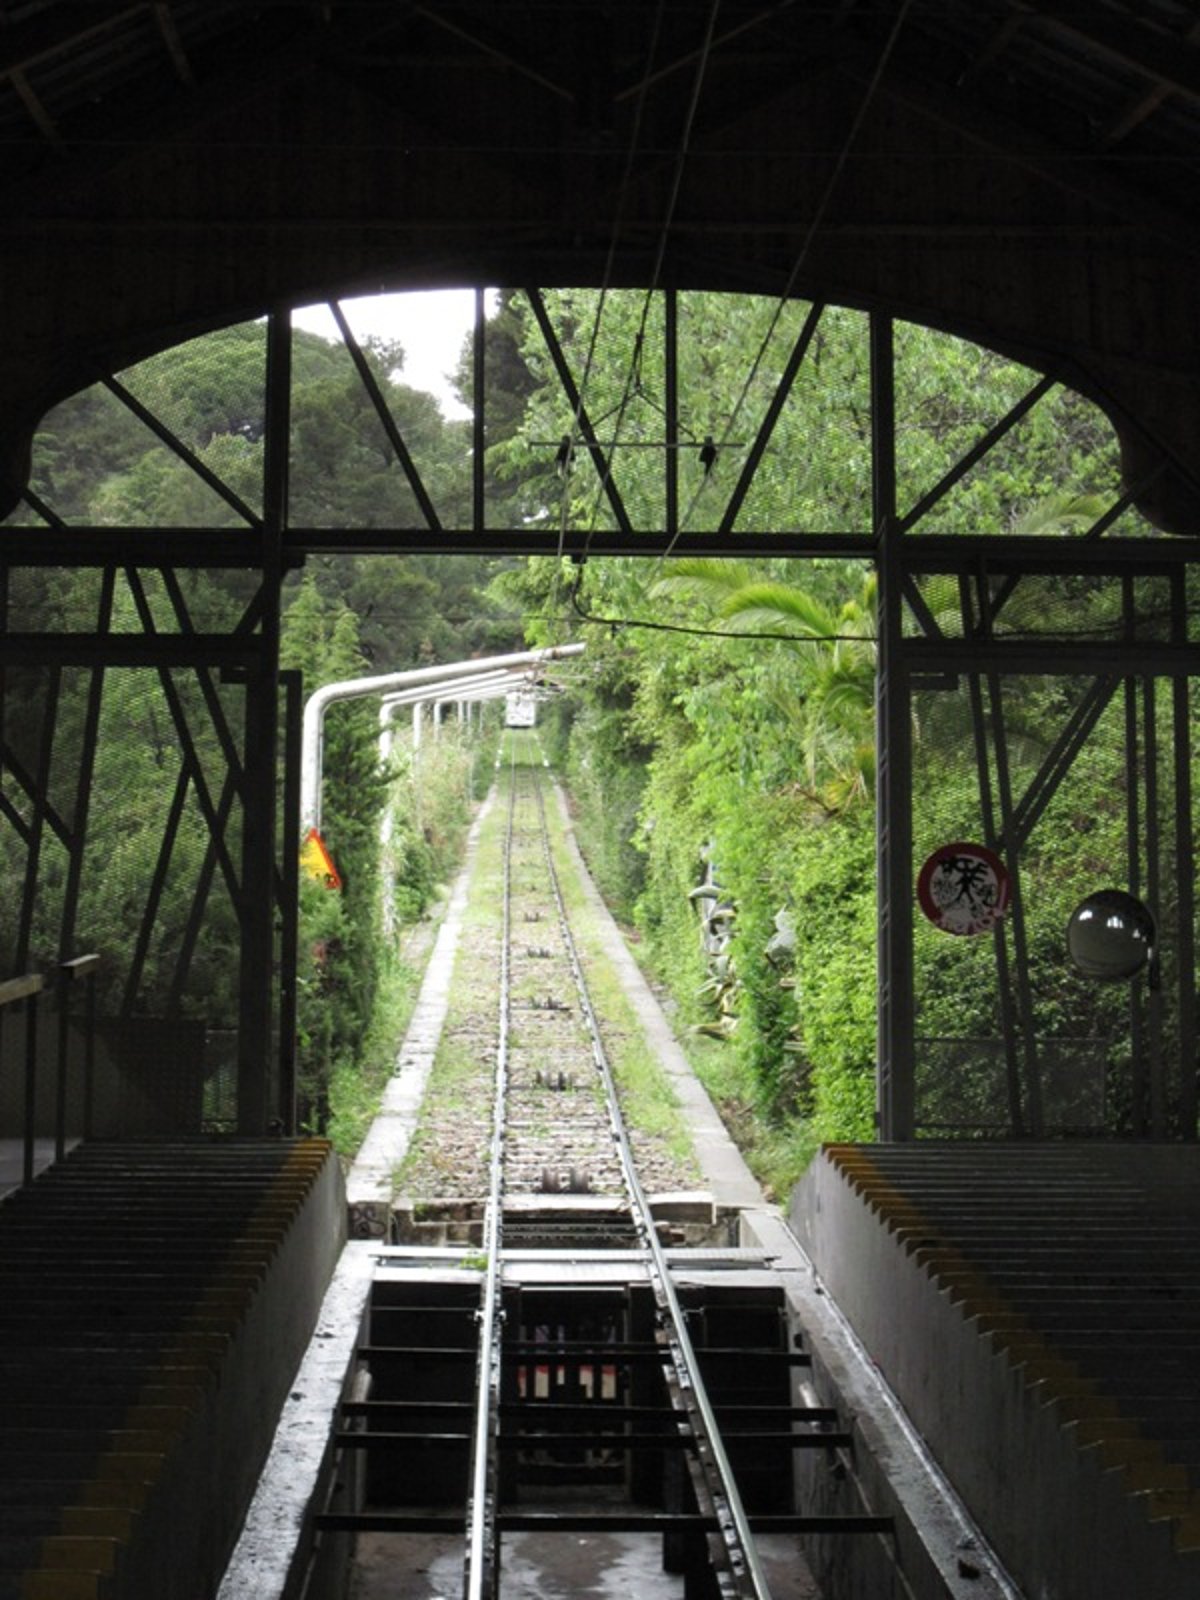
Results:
1036 1310
155 1301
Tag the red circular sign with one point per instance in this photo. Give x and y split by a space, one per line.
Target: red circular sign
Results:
963 888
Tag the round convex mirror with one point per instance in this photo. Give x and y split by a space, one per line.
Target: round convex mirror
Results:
1110 935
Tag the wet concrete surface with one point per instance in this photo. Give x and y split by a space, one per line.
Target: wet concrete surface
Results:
569 1566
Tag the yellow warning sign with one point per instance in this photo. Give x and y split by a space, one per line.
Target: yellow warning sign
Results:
317 862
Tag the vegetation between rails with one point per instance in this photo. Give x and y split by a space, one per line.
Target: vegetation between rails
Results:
461 1083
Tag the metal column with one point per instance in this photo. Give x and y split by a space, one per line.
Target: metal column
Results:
893 783
257 907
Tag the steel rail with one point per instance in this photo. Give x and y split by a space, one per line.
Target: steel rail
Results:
478 1573
745 1568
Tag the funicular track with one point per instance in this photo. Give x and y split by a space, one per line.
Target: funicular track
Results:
553 1384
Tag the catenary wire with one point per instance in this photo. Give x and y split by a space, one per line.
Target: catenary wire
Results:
802 256
632 372
610 258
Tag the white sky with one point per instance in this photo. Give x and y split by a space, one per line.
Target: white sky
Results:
431 324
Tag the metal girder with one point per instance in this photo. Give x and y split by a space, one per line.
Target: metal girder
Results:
580 421
292 685
977 452
29 784
166 848
1049 657
163 650
177 447
83 788
993 564
767 427
57 545
191 761
387 421
1172 65
200 896
184 548
208 688
40 798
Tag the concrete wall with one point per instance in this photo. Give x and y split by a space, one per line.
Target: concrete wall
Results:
202 1496
1007 1432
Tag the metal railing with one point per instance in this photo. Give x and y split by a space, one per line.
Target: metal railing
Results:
24 991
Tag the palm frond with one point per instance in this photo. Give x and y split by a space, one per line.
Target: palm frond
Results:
1060 513
702 576
780 604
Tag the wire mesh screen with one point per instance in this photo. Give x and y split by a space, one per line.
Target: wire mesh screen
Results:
367 448
121 807
174 442
1081 784
1052 463
753 413
967 1086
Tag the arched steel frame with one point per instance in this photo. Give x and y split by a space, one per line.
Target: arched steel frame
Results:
912 647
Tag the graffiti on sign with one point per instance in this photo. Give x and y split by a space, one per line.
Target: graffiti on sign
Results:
963 888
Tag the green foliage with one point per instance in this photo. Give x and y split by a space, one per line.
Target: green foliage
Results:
340 930
156 896
751 755
756 755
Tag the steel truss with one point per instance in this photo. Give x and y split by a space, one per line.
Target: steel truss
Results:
1139 667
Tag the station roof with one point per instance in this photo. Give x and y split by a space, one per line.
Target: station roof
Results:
1023 172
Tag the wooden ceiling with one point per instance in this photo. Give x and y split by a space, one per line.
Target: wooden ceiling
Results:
1022 172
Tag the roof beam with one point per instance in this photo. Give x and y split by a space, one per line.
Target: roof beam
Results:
994 47
648 80
1136 112
37 111
174 44
1074 169
504 56
1176 64
22 48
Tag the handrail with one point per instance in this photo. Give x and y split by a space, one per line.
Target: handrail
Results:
78 969
25 989
14 990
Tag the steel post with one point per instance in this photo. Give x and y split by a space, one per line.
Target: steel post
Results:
289 910
896 1097
257 898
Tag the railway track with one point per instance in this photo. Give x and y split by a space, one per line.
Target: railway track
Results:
558 1134
573 1373
595 1111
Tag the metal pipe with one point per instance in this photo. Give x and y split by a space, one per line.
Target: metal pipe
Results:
312 737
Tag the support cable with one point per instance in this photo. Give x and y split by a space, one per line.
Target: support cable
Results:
609 260
797 267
